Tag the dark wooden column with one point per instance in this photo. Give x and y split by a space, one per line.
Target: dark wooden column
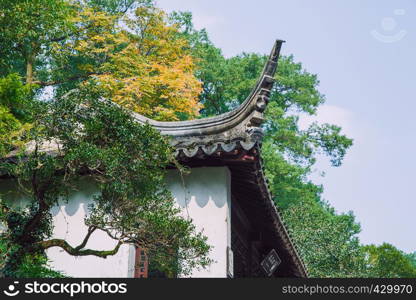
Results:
141 266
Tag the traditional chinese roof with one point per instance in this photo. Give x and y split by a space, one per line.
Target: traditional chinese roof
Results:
233 139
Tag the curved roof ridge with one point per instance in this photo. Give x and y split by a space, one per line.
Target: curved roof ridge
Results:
250 112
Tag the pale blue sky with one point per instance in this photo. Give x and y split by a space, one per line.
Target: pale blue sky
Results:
364 53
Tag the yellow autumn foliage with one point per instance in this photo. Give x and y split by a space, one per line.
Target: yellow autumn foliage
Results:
141 62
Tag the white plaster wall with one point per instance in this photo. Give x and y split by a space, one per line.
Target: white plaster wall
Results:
69 225
204 196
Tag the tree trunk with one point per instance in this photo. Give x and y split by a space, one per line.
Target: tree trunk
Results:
29 67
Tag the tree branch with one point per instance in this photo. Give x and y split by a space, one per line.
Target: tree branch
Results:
77 250
91 229
39 193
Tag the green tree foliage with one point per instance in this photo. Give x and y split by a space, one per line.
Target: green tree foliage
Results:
412 258
28 30
386 261
128 162
327 241
15 112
